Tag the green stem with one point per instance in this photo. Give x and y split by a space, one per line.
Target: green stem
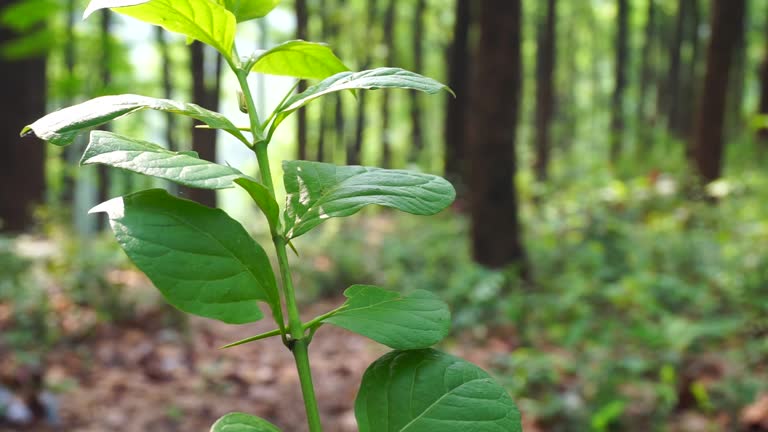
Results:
299 343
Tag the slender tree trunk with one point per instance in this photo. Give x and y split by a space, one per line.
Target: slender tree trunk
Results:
647 75
167 73
494 110
355 149
389 42
323 32
456 107
675 58
70 154
727 21
545 69
762 133
622 53
205 92
688 88
103 173
417 139
302 18
734 115
22 167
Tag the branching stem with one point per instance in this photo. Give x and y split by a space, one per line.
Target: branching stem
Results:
298 342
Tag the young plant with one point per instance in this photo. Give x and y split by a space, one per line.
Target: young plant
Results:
205 263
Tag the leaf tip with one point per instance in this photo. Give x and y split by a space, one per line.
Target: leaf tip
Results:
115 208
26 131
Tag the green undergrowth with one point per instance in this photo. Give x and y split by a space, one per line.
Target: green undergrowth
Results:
644 303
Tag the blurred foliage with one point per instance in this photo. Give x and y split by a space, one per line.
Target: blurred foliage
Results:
645 302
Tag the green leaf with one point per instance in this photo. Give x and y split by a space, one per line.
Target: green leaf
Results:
143 157
201 260
262 198
300 59
62 126
203 20
318 191
374 79
240 422
426 391
419 320
245 10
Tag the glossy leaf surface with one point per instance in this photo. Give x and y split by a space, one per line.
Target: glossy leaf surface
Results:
150 159
240 422
374 79
203 261
418 320
317 191
245 10
430 391
62 126
203 20
299 59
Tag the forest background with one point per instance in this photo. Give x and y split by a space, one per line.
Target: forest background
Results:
606 258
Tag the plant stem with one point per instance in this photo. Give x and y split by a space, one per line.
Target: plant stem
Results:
299 343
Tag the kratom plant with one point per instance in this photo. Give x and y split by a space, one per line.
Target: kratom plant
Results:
205 263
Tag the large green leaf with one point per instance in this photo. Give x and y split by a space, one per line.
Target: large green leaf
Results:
419 320
263 198
299 59
240 422
374 79
62 126
318 191
203 20
203 261
143 157
245 10
430 391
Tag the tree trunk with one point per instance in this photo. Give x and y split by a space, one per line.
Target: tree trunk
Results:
762 133
389 43
355 149
617 106
545 69
302 19
23 162
103 177
417 139
456 107
70 154
205 92
675 54
167 73
688 86
495 101
727 21
647 75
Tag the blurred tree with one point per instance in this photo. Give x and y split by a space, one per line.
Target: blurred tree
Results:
205 92
727 21
417 45
648 75
69 154
673 78
103 179
389 43
762 108
456 107
622 54
494 110
545 70
355 148
23 101
302 20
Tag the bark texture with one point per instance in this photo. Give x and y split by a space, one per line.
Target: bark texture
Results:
727 20
495 102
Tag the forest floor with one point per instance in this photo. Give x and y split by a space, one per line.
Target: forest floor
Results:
140 376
